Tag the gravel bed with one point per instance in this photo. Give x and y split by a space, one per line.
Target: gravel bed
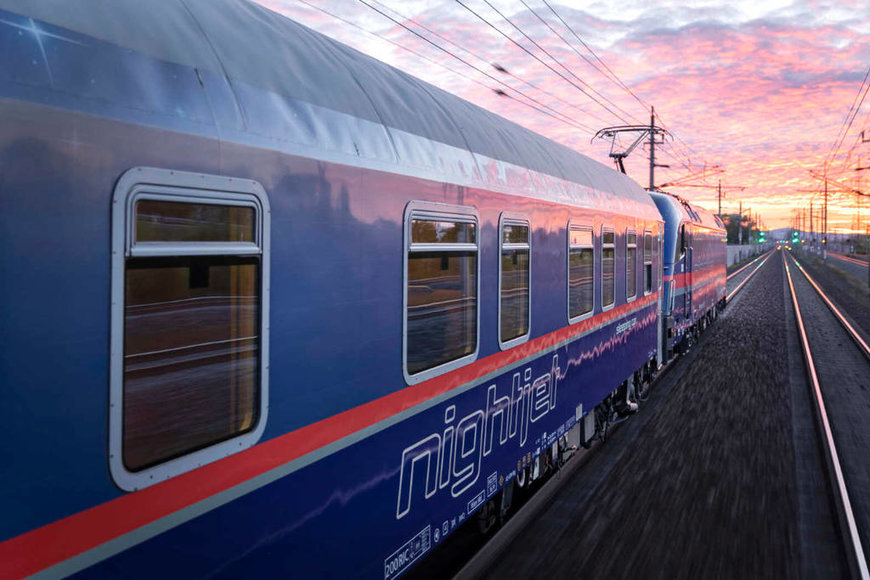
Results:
701 484
844 376
736 279
848 293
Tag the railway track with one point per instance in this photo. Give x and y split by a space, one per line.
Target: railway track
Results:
741 281
479 560
837 358
813 547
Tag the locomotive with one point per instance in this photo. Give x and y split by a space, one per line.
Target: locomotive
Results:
694 271
272 306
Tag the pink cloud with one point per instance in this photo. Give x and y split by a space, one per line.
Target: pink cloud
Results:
764 98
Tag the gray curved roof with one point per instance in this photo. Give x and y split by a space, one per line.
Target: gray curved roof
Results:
299 90
677 210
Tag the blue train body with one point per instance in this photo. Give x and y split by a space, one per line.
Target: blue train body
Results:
344 456
693 267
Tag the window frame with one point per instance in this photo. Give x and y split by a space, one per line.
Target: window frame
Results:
508 218
607 230
633 297
651 262
658 258
437 211
138 249
577 225
141 183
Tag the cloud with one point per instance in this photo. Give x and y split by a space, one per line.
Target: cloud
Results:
759 87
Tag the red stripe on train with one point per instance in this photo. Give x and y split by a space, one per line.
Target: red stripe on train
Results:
63 539
698 276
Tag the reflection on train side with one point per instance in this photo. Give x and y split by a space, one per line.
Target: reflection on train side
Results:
191 355
442 308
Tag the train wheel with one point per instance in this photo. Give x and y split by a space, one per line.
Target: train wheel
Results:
507 495
642 385
521 478
603 414
487 517
689 340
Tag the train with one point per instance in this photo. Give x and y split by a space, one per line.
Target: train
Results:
272 307
693 270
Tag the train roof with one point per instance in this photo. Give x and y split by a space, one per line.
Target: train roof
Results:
274 83
677 210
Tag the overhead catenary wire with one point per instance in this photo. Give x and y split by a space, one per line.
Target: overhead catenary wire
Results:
613 75
563 66
682 153
570 46
849 119
502 88
550 111
681 146
537 58
482 59
538 107
860 138
606 72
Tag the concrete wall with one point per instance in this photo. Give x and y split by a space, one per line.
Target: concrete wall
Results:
738 253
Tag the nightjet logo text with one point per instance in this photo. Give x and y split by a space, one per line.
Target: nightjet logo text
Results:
453 456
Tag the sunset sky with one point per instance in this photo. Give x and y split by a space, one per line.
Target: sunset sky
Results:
765 89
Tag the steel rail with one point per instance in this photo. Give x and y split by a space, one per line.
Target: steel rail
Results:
848 527
749 277
842 319
848 259
732 274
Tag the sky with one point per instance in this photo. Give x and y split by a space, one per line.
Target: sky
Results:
765 90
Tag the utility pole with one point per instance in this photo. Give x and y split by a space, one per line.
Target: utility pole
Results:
740 225
812 218
825 235
858 196
642 131
652 148
720 199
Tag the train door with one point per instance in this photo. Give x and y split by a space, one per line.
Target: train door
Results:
659 262
687 232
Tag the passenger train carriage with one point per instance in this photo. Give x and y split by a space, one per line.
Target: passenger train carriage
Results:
274 307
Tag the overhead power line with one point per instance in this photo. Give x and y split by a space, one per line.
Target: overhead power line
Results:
540 108
680 145
482 59
502 88
612 75
854 109
561 64
578 53
536 57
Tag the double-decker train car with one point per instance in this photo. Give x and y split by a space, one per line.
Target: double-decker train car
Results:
694 269
272 307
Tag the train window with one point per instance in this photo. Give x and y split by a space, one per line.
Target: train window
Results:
441 289
172 221
581 260
647 263
608 255
189 332
630 265
514 280
681 246
657 258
